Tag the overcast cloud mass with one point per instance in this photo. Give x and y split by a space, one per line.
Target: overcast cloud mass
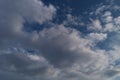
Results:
35 47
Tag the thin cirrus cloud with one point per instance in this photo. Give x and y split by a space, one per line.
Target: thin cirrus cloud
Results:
63 52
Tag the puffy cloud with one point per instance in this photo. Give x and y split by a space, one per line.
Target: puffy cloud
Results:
66 46
98 36
14 13
23 67
63 52
96 25
61 48
28 9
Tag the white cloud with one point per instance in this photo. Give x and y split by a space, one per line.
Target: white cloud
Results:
98 36
96 25
109 27
107 13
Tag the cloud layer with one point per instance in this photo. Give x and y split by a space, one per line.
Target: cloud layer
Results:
57 52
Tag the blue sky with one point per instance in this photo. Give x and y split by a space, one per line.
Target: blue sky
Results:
59 39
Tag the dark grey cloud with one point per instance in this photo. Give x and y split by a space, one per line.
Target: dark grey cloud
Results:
111 73
22 64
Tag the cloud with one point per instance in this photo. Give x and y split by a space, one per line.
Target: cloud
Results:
60 48
108 23
60 52
98 36
96 25
111 73
14 13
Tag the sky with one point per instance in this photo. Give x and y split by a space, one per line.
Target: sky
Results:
59 40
